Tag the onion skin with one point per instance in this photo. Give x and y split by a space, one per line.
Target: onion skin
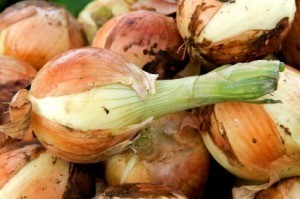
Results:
136 190
166 7
29 168
23 27
194 16
148 39
14 75
252 141
174 156
290 44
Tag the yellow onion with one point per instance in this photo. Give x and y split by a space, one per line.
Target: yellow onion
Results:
35 31
166 7
223 32
28 170
97 12
89 103
169 153
290 45
14 75
148 39
139 190
286 188
257 141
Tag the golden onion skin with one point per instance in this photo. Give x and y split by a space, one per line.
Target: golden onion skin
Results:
195 21
35 31
254 140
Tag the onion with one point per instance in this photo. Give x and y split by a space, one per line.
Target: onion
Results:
89 103
291 43
98 12
148 39
35 31
14 75
143 190
166 7
253 141
287 188
170 153
223 32
30 171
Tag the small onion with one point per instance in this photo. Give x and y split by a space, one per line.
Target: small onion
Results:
142 190
28 170
223 32
97 12
35 31
253 141
290 45
148 39
170 153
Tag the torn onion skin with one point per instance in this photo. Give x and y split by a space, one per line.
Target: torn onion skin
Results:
253 140
148 39
29 168
24 26
226 32
15 74
139 190
169 153
166 7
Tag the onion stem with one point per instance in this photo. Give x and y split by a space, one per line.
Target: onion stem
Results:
116 106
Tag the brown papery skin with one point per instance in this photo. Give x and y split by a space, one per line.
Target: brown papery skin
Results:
36 31
193 16
290 48
80 70
148 39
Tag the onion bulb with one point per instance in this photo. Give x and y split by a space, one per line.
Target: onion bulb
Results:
253 141
28 170
139 190
14 75
148 39
223 32
169 153
89 103
286 188
98 12
35 31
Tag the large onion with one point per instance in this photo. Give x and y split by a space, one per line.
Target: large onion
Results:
225 32
148 39
35 31
170 153
89 103
256 142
